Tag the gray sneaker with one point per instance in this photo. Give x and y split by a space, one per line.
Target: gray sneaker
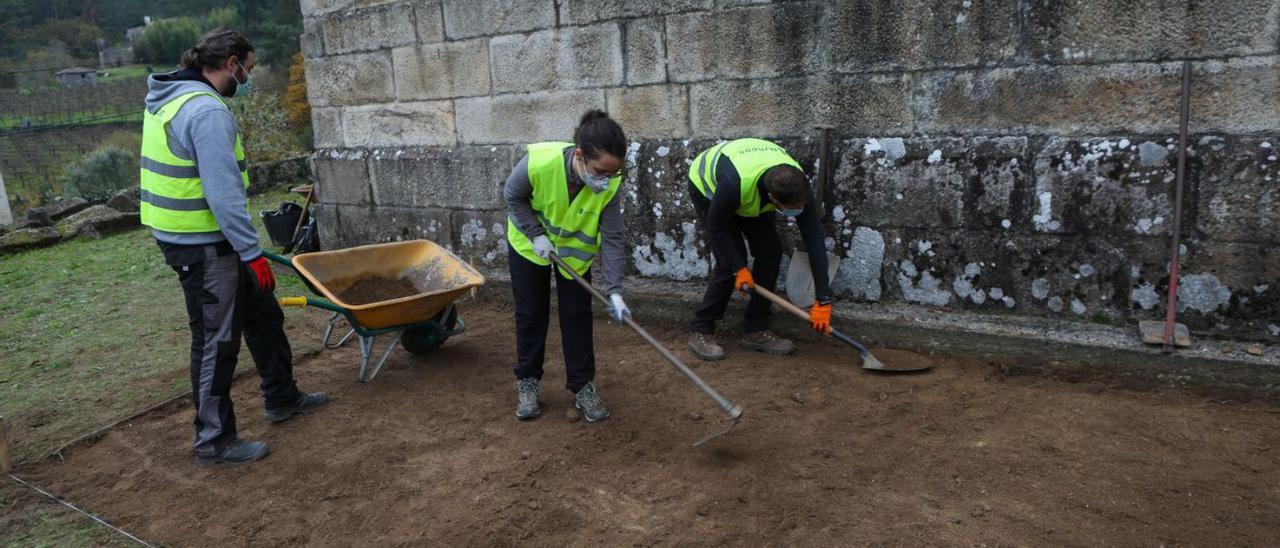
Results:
527 399
238 451
704 345
306 403
765 341
588 401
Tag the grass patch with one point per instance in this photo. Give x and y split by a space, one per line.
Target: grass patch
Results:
91 330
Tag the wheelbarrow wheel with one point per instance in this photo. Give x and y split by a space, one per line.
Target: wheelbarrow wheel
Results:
424 339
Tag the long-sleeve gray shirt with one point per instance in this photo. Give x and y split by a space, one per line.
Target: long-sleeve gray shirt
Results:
519 195
205 132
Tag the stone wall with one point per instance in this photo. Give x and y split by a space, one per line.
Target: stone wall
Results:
1003 155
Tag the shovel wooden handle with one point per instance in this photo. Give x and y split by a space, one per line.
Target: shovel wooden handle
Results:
785 304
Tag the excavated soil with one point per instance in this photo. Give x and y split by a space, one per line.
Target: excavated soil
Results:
377 289
828 454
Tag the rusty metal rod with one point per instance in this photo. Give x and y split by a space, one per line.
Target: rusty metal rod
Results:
1171 314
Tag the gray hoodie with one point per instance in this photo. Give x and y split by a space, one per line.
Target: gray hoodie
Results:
204 131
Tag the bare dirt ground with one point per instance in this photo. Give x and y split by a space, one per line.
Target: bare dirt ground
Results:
429 452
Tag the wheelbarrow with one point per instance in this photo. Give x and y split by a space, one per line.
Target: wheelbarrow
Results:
421 322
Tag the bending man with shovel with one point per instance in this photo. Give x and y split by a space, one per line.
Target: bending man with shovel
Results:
736 186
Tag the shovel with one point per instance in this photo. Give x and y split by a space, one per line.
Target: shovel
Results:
799 276
733 412
869 361
1169 332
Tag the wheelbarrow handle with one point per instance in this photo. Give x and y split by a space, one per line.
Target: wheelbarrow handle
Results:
734 412
278 258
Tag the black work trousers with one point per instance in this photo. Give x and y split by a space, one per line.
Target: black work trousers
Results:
531 286
222 306
761 235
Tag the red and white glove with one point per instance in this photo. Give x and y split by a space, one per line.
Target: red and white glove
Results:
260 271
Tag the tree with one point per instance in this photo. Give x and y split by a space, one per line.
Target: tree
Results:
295 95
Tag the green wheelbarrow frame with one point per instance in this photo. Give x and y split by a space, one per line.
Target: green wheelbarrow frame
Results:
422 337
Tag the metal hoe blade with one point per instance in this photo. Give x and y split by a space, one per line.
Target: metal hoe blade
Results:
733 412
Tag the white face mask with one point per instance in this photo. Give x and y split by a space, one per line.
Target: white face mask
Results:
597 183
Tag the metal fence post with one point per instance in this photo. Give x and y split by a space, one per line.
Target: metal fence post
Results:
6 214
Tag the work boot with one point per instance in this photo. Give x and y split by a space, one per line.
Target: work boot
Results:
527 394
306 403
704 345
237 452
765 341
588 401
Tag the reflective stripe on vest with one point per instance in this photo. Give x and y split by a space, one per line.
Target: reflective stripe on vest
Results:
572 226
751 157
172 198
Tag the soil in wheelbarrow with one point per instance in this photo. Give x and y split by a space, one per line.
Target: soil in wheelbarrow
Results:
429 453
377 289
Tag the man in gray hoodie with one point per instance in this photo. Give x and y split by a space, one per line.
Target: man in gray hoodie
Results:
194 182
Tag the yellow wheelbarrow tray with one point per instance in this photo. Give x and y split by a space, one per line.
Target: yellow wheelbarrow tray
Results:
422 322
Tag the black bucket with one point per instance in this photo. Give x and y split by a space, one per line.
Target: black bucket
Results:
281 222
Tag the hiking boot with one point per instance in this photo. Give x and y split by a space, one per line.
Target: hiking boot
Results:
237 452
765 341
704 345
527 394
306 403
588 401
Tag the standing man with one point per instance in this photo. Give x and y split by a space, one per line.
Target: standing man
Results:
736 186
563 198
194 182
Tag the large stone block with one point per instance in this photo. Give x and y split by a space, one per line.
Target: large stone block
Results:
399 124
350 225
317 8
455 178
1104 186
481 237
354 79
1231 96
311 44
761 42
1238 183
342 177
429 16
442 71
580 12
646 52
874 104
651 111
574 57
1107 30
326 126
369 29
525 117
929 183
468 18
912 34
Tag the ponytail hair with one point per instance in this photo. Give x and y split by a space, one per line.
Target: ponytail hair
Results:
597 133
214 48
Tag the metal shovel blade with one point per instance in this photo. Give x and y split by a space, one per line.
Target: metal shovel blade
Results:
1153 333
800 279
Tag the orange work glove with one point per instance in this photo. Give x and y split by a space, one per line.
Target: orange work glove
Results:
744 282
820 317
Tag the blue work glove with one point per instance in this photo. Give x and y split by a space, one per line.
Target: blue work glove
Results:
618 308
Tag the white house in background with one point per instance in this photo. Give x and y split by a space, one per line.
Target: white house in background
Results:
76 77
